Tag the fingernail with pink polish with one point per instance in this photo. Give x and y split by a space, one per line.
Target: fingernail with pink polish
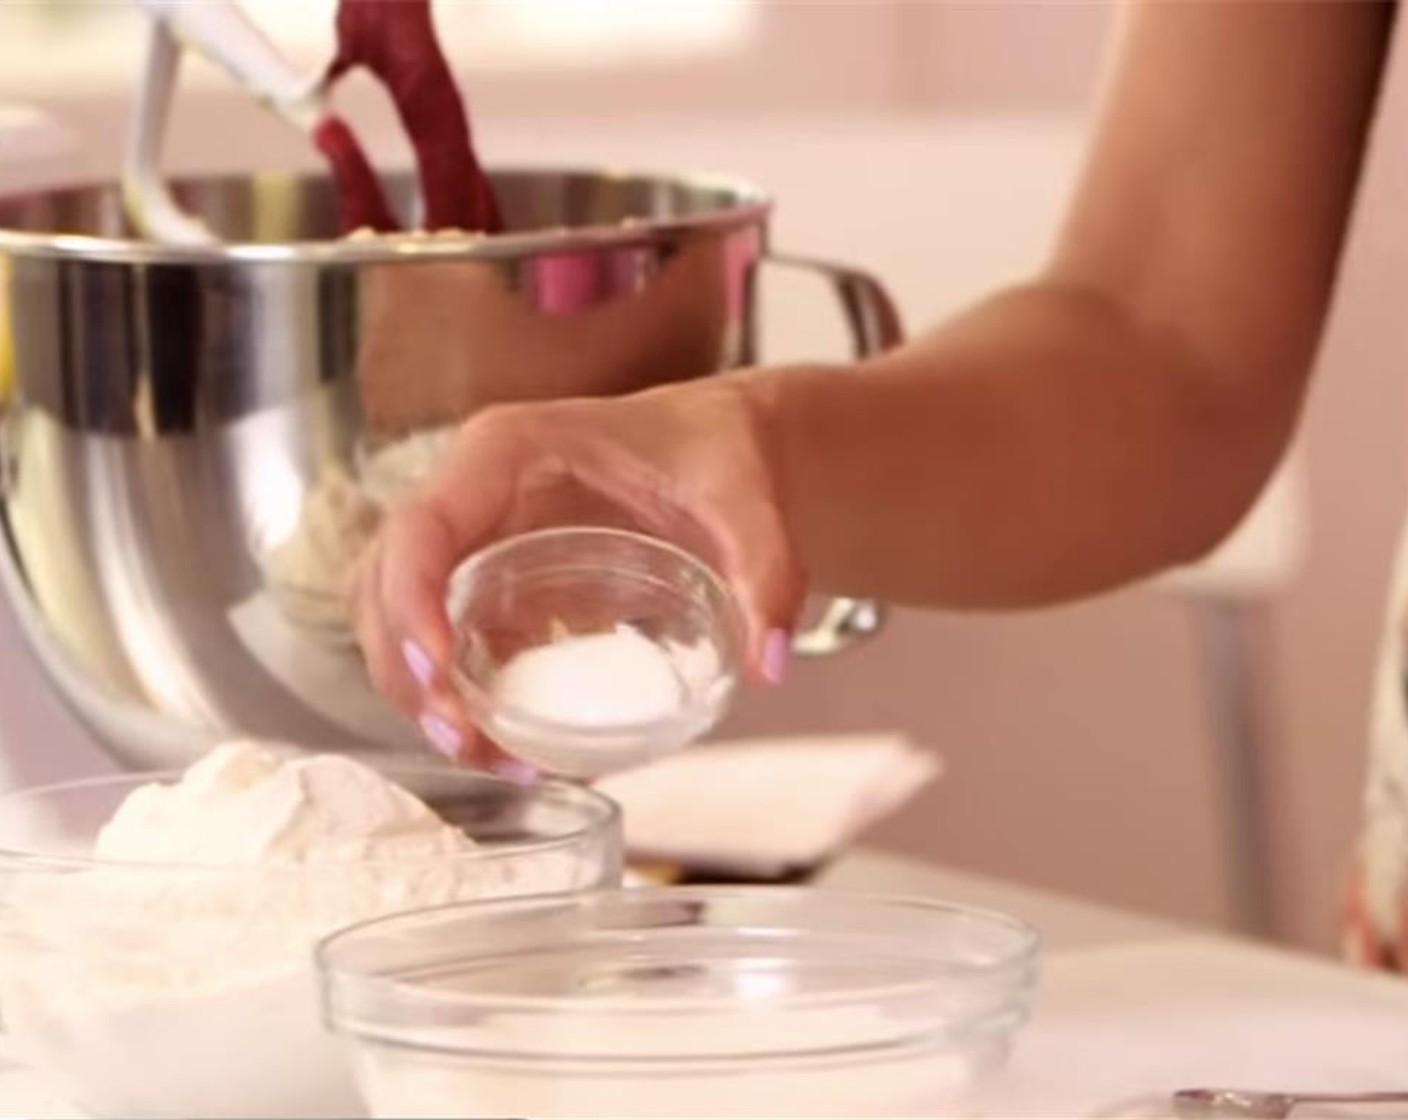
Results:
777 656
515 771
418 662
442 735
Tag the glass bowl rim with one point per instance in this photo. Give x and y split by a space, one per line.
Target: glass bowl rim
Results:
1018 965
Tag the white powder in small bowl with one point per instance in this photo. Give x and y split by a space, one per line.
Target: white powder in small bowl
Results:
586 705
610 679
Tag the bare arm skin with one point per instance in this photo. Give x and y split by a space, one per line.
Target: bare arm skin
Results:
1112 417
1120 413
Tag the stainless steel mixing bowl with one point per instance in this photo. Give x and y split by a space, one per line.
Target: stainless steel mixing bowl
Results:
174 408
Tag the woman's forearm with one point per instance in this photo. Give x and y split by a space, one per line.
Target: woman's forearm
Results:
1038 448
1119 416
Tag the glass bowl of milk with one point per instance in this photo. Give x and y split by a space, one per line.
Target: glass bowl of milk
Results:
586 650
185 986
686 1002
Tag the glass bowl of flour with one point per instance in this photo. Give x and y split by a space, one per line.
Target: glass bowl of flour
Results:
711 1002
156 930
584 651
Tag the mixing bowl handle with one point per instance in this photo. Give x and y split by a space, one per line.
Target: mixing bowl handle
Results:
874 324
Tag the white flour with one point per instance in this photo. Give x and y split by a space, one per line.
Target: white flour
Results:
311 571
163 990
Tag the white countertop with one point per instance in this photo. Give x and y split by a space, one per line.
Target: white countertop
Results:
1121 1024
1130 1006
1065 923
1133 1007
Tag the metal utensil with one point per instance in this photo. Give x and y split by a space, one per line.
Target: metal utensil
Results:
176 405
1252 1105
222 32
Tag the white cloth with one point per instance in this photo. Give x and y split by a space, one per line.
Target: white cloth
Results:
765 806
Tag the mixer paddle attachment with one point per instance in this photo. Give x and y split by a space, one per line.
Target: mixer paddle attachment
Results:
394 39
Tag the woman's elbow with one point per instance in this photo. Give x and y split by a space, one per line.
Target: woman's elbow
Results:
1230 463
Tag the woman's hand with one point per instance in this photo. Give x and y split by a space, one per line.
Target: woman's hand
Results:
688 463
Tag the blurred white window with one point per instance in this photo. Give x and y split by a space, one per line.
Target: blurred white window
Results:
88 42
504 34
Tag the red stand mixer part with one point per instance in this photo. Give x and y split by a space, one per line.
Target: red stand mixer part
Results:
395 40
361 200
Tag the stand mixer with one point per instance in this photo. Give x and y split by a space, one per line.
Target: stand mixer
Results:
178 400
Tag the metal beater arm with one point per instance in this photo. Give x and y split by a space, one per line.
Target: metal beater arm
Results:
223 33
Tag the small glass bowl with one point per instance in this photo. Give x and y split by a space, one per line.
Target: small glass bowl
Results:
532 590
187 989
683 1002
